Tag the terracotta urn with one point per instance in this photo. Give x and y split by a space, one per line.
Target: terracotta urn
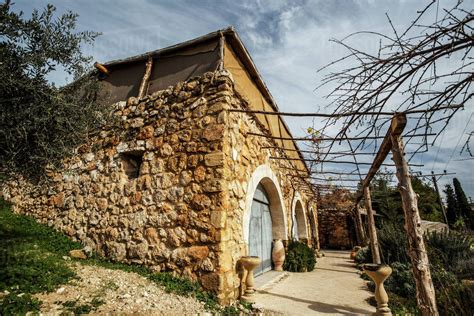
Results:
379 273
354 252
249 263
278 254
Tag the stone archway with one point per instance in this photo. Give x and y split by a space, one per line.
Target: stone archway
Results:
299 225
264 175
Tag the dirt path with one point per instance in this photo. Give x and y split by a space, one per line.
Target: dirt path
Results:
334 287
103 291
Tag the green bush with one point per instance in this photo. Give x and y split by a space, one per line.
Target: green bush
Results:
300 258
364 255
401 282
448 249
450 257
452 296
393 243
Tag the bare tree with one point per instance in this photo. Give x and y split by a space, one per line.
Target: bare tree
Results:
424 67
425 70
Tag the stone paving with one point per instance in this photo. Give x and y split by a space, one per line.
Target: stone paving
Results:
333 288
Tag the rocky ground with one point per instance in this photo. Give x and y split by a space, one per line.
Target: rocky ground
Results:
98 290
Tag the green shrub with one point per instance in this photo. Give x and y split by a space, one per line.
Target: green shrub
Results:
401 282
452 296
364 255
448 249
465 269
393 243
450 258
300 258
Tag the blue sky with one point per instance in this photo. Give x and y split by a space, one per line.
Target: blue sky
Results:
288 40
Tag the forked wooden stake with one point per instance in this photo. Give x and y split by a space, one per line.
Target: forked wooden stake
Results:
374 242
425 293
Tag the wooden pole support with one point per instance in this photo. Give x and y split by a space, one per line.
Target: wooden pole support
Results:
360 227
101 68
146 77
374 243
425 293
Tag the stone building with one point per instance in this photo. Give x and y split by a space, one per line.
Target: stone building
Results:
186 184
336 229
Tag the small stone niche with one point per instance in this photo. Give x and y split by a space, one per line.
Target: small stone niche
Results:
131 163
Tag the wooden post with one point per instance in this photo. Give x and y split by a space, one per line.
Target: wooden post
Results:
363 237
435 182
374 243
144 85
360 233
425 293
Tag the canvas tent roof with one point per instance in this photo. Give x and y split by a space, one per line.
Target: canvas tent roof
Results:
193 58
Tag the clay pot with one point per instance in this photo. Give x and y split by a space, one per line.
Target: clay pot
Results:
278 254
379 273
354 252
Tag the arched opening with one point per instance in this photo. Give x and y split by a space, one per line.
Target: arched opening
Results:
260 231
264 176
264 217
299 227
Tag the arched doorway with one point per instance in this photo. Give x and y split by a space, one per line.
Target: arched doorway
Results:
261 237
264 186
299 227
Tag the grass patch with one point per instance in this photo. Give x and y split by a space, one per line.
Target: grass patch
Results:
80 309
31 261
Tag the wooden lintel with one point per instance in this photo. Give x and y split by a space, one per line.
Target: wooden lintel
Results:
146 77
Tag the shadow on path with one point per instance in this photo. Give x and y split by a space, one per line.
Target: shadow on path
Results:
322 307
341 271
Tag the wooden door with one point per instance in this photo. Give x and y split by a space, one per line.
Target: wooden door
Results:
260 241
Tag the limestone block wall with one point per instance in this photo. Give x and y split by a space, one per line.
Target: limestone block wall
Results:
248 162
168 214
171 188
336 229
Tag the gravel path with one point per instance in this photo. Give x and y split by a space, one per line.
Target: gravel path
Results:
121 292
334 288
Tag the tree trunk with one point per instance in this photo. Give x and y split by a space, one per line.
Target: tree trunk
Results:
425 293
374 243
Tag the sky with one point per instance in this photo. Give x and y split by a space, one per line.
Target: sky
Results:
288 41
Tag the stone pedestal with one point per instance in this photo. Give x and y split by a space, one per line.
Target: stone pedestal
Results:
249 263
379 273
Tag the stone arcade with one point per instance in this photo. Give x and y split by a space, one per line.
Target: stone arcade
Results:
183 186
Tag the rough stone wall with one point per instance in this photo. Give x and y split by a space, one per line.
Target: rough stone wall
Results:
183 212
243 154
169 217
336 229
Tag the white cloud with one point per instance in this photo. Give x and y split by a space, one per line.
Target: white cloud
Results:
288 40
